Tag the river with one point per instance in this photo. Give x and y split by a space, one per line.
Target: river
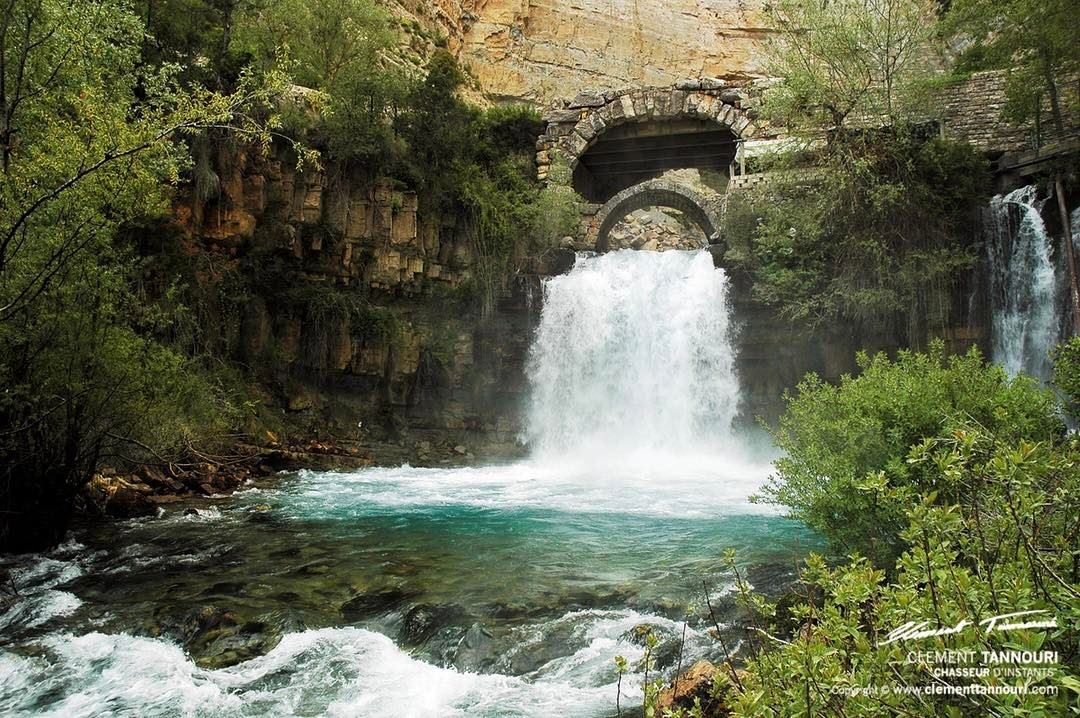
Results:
483 591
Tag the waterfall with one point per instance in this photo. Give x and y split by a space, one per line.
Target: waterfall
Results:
633 359
1024 285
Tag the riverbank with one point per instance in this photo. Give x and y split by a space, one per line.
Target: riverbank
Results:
141 492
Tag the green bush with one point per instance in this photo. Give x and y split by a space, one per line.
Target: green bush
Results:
1067 374
843 443
1008 546
878 233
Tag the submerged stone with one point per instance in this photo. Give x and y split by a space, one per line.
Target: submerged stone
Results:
424 620
476 649
372 604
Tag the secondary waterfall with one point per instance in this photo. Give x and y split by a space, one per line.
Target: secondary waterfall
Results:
1024 284
633 358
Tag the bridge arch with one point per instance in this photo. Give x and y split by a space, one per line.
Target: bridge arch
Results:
703 210
604 142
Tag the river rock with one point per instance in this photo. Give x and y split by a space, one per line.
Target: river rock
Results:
367 605
119 497
704 682
234 645
423 620
476 650
639 633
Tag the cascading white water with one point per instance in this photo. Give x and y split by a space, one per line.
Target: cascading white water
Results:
633 359
1023 284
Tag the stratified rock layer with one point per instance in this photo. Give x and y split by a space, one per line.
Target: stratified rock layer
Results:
539 51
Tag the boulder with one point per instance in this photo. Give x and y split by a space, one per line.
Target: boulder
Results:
119 497
698 683
476 650
422 621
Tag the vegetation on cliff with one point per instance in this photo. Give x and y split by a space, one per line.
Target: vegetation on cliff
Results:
113 351
881 232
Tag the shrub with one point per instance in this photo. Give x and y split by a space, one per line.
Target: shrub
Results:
1067 374
1008 546
843 443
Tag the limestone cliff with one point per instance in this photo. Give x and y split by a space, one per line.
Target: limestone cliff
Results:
540 50
351 308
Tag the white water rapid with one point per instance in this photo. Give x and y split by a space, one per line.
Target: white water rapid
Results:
1024 284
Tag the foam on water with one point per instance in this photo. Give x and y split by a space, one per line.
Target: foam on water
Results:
688 487
333 672
40 601
633 361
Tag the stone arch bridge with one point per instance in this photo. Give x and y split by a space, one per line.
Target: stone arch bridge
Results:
614 148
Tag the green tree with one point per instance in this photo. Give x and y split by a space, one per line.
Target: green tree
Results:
344 49
848 62
196 35
1034 41
322 40
441 132
91 145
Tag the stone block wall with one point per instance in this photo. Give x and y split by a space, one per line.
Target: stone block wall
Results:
973 114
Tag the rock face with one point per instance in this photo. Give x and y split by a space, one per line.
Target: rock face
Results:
538 51
355 316
518 49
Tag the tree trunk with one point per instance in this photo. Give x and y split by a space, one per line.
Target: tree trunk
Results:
1074 285
1055 103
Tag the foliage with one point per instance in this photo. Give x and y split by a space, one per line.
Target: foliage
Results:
850 62
325 41
440 131
1007 546
878 233
845 443
195 36
341 49
1034 41
90 148
1067 375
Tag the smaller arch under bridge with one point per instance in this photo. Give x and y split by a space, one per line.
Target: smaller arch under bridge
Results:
703 209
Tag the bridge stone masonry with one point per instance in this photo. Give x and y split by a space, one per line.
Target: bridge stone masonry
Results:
702 208
614 147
